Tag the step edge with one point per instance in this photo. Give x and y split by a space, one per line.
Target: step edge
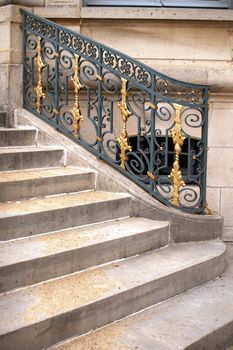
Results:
46 177
199 341
133 234
82 307
219 254
125 196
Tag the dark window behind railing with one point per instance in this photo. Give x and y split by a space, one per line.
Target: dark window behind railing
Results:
147 125
224 4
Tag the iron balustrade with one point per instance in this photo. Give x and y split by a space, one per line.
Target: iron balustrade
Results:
149 126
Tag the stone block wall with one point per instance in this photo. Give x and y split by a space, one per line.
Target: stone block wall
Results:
220 159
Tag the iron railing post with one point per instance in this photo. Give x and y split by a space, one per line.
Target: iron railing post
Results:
152 139
100 101
204 205
57 79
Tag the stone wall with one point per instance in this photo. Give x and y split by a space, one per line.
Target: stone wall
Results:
193 45
220 159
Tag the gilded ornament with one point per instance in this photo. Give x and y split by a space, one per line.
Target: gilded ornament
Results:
153 106
40 66
125 114
99 77
77 117
207 209
178 141
151 176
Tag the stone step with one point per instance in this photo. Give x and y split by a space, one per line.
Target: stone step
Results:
25 136
43 314
35 259
39 215
12 158
201 318
41 182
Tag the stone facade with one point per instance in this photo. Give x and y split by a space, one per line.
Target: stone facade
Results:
193 45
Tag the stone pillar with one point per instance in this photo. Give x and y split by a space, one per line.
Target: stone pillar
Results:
10 59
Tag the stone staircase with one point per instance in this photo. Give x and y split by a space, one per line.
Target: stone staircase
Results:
73 258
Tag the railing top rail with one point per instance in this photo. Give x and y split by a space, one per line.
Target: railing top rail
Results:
118 53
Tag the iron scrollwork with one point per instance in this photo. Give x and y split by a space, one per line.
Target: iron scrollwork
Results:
128 108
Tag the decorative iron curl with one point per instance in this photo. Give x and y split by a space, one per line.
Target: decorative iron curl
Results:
163 186
30 41
165 111
189 197
137 164
192 117
66 60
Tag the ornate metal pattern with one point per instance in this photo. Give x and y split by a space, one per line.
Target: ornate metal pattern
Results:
129 116
40 66
77 86
125 114
178 140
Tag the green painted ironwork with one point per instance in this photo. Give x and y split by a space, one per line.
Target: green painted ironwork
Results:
119 109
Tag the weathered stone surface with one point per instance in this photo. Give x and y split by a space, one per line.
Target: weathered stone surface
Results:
62 2
227 205
213 198
3 83
58 253
201 318
10 60
17 137
157 13
220 167
57 11
15 91
5 51
202 54
228 235
12 158
220 79
158 40
64 211
32 183
23 2
11 13
46 313
11 43
221 125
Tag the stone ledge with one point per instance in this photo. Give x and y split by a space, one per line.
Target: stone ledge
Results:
11 13
58 11
63 3
23 2
156 13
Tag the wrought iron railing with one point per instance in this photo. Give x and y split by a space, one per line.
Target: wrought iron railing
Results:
147 125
